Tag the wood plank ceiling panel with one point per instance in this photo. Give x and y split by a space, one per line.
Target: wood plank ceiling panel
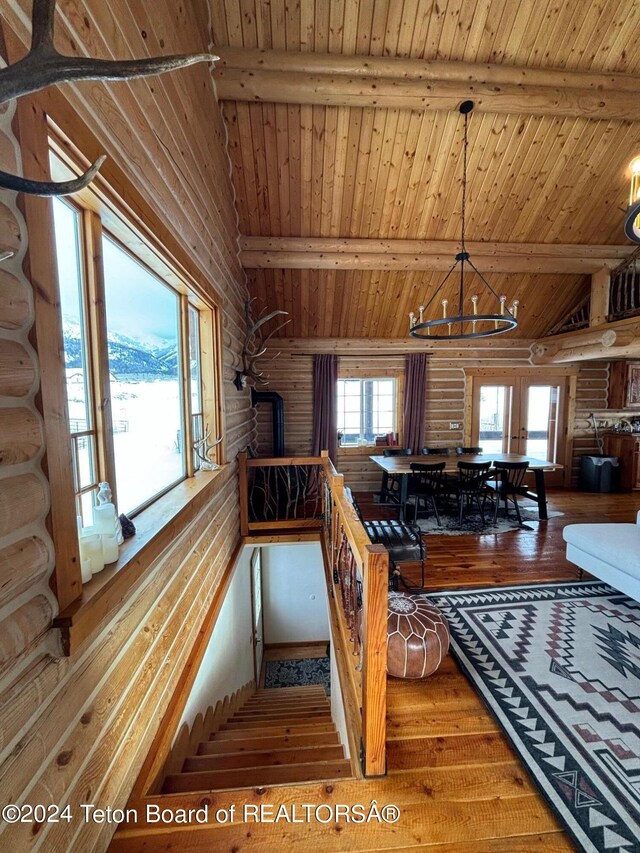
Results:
363 303
575 35
393 173
316 171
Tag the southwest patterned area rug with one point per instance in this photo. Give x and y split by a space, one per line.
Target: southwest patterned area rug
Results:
298 673
472 522
559 667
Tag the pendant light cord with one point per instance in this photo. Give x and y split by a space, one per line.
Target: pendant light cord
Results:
463 325
464 179
464 209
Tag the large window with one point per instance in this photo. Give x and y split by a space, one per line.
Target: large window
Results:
143 342
138 392
366 410
79 384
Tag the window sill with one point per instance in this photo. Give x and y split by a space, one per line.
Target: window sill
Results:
366 450
156 527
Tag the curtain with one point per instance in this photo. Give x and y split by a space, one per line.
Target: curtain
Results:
325 407
415 391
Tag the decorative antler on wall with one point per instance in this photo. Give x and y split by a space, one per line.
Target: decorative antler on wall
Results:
44 66
202 450
255 346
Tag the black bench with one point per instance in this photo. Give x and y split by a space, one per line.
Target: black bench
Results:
403 541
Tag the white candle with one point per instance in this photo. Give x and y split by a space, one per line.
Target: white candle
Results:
109 548
91 550
85 567
104 518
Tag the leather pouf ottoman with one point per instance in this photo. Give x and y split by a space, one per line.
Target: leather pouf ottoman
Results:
417 636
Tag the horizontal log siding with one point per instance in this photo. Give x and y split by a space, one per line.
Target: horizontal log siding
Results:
76 729
290 374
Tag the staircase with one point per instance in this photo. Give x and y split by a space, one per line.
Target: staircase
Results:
279 736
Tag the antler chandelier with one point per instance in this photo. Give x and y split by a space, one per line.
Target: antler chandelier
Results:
466 323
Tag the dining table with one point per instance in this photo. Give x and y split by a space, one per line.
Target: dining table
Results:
400 466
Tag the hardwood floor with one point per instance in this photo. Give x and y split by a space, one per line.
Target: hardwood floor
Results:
459 786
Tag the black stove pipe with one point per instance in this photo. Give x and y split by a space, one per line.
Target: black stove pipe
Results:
277 409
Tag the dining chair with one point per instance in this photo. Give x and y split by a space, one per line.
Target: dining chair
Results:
471 487
390 485
464 451
509 483
436 451
427 486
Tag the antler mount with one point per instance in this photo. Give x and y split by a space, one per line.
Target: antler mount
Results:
255 346
44 66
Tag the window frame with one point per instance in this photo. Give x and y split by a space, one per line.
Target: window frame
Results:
101 208
91 387
185 418
355 371
101 216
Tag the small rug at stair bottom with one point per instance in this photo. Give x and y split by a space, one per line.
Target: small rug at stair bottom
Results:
298 673
557 665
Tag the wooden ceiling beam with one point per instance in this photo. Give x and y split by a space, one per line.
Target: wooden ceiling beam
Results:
434 255
610 341
367 81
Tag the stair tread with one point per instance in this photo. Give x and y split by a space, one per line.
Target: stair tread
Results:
307 690
225 734
288 705
267 758
279 774
282 715
267 724
222 747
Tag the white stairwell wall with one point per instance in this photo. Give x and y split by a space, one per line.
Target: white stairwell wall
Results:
294 593
337 703
227 664
295 610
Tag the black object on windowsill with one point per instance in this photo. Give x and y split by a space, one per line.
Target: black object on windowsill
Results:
128 527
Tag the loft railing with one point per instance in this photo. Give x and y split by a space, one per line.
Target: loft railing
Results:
624 289
280 493
308 493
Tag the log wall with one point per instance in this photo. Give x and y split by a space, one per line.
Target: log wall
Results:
448 396
76 729
291 376
591 398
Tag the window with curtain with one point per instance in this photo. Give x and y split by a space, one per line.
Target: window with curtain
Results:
366 409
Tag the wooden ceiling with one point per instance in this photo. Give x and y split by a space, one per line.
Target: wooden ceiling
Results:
311 159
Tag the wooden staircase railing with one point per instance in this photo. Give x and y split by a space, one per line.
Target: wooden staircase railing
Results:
280 493
308 492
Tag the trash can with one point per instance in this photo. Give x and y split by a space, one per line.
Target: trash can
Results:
600 473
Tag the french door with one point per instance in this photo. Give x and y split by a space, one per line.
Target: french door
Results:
521 414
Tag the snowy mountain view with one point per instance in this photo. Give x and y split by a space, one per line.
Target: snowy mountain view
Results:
145 357
145 409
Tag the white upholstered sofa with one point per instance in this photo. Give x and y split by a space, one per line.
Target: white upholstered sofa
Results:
611 552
